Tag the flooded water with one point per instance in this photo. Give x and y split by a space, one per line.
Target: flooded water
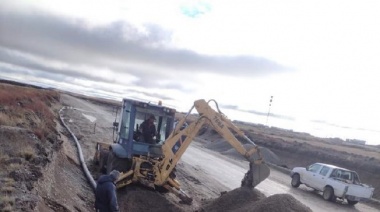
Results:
90 118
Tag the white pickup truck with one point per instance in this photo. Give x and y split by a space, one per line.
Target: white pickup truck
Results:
334 182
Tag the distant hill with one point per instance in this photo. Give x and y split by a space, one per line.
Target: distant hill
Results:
20 84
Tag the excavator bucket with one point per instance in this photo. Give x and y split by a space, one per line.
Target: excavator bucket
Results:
255 174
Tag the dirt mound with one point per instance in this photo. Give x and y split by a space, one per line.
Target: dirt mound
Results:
234 200
277 203
134 198
245 199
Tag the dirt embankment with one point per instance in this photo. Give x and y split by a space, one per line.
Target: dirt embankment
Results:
27 139
34 156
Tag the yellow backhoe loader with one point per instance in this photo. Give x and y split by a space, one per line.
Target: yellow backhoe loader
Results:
153 164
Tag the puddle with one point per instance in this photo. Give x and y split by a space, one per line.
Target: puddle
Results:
91 118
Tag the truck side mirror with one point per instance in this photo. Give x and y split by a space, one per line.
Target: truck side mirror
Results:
116 124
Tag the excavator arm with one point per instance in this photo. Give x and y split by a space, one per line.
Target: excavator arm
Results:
179 140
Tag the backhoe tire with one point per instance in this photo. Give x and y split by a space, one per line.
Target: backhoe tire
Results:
328 194
351 202
110 160
102 162
116 163
296 182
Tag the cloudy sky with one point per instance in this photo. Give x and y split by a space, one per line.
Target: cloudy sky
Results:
318 59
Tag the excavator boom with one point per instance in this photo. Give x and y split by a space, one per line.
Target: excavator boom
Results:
175 146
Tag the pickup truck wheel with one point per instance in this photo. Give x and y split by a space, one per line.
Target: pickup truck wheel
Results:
350 202
296 180
328 193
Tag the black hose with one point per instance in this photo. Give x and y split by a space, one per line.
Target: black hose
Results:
80 154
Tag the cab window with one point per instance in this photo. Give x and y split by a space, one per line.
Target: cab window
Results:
314 168
324 171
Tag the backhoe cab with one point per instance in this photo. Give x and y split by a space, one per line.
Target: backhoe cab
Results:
129 141
153 164
129 135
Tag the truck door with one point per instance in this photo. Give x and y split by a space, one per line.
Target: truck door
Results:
310 175
320 178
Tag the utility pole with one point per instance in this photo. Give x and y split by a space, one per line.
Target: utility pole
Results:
270 104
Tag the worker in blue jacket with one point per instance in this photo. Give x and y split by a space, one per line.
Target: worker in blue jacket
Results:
105 193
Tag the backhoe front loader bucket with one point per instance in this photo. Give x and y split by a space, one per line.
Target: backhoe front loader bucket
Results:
255 174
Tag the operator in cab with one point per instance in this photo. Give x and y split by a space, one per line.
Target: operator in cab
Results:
148 130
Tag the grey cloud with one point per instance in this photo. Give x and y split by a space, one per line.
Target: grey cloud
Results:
45 70
72 42
70 80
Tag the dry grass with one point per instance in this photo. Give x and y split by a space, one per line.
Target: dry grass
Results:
7 181
13 166
3 157
7 202
28 108
8 208
7 185
3 119
8 189
28 153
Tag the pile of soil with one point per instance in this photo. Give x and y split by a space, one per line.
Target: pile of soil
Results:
234 200
245 199
134 198
277 203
